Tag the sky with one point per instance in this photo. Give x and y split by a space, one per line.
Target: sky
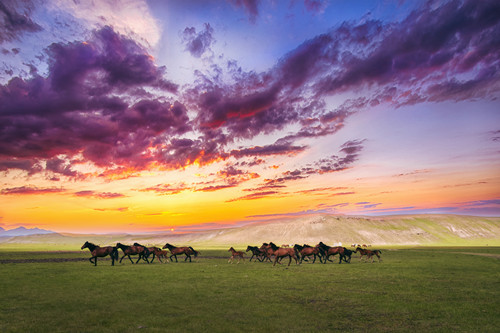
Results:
149 116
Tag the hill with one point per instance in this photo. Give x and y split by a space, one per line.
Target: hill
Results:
22 231
445 230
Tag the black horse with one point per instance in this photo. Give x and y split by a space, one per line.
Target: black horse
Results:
347 255
256 252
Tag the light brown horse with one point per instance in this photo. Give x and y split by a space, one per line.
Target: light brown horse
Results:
234 253
283 252
98 251
368 253
157 253
188 251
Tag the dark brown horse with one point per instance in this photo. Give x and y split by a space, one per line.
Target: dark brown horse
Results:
267 249
155 251
186 250
347 255
98 251
256 252
368 253
328 251
283 252
307 251
142 251
234 253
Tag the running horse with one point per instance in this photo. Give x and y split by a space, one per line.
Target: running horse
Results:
267 250
368 253
328 251
256 252
186 250
142 251
283 252
158 253
347 255
155 251
235 253
307 251
98 251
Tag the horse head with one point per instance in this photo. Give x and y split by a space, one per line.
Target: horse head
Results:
168 246
85 245
231 249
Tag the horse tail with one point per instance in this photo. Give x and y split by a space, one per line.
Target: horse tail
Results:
195 252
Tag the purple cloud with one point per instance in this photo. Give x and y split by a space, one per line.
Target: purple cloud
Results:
198 43
99 195
81 108
255 196
31 190
12 23
250 6
97 101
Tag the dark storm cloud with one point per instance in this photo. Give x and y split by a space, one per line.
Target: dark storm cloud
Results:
198 43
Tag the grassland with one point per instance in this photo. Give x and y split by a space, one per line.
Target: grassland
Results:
414 289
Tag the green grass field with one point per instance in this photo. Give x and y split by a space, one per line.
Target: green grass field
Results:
413 289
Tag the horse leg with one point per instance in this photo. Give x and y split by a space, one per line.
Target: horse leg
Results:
275 261
130 258
90 259
230 260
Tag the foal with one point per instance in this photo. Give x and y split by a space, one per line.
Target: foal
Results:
235 253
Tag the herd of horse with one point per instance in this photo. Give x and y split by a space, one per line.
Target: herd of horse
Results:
143 252
304 252
266 252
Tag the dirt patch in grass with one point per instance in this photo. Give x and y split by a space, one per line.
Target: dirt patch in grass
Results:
492 255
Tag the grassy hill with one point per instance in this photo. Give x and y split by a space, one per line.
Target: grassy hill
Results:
447 230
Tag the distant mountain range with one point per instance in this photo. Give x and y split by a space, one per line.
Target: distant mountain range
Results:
22 231
414 230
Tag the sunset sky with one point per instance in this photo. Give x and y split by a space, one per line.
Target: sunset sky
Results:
143 116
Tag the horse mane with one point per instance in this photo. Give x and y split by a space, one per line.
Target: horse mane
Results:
91 246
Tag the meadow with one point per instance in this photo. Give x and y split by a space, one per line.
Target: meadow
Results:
414 289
